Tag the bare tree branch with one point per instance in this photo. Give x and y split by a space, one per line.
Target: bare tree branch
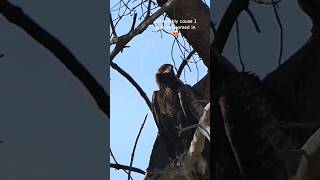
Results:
228 19
255 22
184 63
16 16
113 28
135 145
123 40
149 9
133 22
116 162
274 5
243 67
134 169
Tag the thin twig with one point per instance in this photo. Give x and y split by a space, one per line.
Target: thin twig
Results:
184 63
133 22
228 19
255 22
113 157
15 15
123 40
135 145
197 71
171 53
113 28
274 5
116 163
149 8
120 166
239 46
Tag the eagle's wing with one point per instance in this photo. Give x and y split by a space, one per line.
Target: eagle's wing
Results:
166 124
160 155
162 120
155 108
194 106
192 103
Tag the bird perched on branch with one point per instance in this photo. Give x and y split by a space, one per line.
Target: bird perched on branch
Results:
175 106
177 109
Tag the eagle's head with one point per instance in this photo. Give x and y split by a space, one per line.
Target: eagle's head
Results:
165 76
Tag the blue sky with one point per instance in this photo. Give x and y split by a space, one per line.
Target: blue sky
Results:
146 53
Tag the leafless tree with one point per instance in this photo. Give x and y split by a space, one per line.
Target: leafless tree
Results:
285 81
144 14
298 128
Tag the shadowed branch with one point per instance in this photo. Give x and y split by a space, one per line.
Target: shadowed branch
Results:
16 16
126 168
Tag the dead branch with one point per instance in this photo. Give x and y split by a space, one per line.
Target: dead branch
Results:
126 168
116 163
230 16
184 63
122 41
15 15
202 132
135 145
149 9
281 30
243 67
113 28
255 22
204 123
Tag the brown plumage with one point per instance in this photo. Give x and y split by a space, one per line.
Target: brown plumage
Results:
255 122
175 105
169 112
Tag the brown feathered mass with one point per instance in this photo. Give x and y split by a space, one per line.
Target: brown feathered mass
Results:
175 105
256 125
169 114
